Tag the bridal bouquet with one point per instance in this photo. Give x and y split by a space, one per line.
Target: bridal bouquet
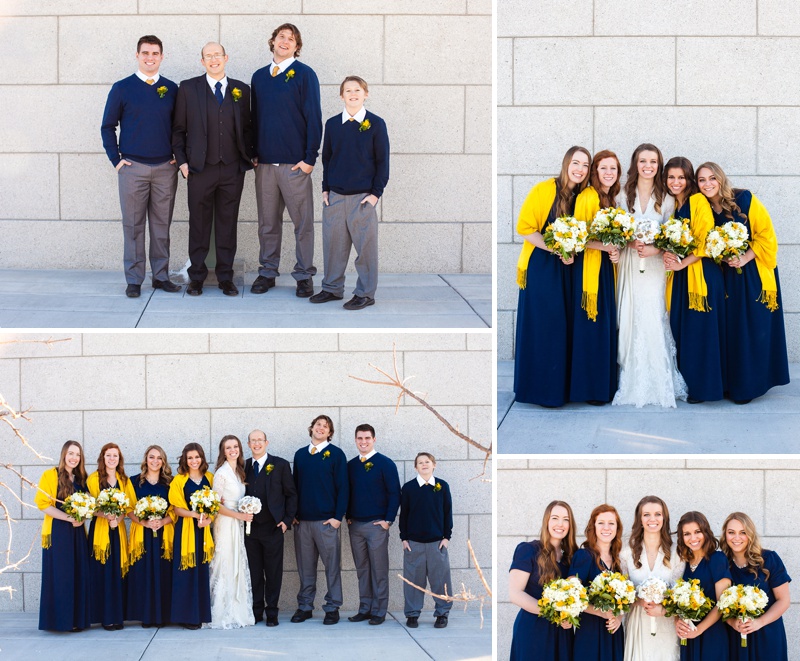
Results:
151 507
566 236
563 599
744 602
645 230
728 240
688 602
113 502
675 236
653 590
249 505
612 591
612 227
205 501
79 506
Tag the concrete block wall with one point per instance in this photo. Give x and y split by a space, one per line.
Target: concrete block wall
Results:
611 74
170 389
428 65
716 487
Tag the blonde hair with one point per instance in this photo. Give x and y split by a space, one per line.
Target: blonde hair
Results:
164 473
727 200
752 554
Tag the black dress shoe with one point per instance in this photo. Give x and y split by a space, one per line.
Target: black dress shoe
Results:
262 285
358 303
692 400
378 619
441 622
133 291
109 627
195 288
167 285
119 627
595 402
412 622
305 288
331 617
146 625
740 402
324 297
228 288
272 621
301 615
359 617
192 627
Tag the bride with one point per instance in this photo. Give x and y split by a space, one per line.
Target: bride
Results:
646 350
231 597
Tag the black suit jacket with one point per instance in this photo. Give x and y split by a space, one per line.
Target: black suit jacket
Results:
190 123
276 491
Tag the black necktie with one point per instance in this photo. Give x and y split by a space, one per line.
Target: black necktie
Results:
255 468
218 92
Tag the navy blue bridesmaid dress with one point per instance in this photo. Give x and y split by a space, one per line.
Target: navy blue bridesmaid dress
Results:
712 644
150 577
191 603
534 637
593 642
107 588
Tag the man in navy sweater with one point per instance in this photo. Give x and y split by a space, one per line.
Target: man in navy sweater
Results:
374 500
355 162
320 476
142 105
426 524
288 129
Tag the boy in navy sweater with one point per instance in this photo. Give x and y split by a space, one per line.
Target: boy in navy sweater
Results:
426 524
373 503
320 476
355 162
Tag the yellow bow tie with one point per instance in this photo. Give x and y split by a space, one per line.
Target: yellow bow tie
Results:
275 71
363 459
352 119
150 81
313 450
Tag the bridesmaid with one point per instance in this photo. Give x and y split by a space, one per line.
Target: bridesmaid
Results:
593 377
150 576
697 546
696 293
752 565
108 543
544 311
194 546
756 339
64 603
599 638
536 563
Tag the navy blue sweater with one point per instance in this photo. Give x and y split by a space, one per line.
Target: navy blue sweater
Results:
287 116
355 161
425 515
145 121
374 493
321 483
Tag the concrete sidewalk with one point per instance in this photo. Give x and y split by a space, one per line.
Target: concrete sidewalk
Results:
392 641
96 299
768 424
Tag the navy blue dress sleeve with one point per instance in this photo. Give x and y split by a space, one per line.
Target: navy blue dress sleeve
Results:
777 570
524 557
719 567
581 565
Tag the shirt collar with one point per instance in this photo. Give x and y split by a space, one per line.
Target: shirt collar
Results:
261 461
213 83
289 61
319 447
369 456
422 482
359 116
144 78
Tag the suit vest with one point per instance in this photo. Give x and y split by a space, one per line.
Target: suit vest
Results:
222 144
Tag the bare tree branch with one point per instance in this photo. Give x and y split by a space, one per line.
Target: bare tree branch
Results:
49 342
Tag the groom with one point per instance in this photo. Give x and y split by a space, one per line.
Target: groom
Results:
269 478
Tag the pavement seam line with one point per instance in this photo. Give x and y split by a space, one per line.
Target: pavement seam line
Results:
463 298
408 633
144 309
150 642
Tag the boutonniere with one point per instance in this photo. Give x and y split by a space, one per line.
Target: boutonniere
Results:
289 75
364 126
269 468
236 93
162 91
437 487
368 466
326 454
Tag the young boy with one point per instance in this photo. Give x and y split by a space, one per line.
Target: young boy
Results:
426 524
355 162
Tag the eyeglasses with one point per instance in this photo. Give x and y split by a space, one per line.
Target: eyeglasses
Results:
214 56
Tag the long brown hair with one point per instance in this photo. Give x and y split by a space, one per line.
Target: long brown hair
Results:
183 465
637 532
101 467
592 544
547 563
710 543
164 473
752 554
606 199
66 487
566 196
659 190
239 461
727 200
684 165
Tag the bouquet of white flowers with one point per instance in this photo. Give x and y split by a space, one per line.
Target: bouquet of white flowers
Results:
645 230
80 506
688 602
205 501
676 236
653 590
612 591
113 502
728 240
563 599
151 507
612 227
249 505
745 602
566 236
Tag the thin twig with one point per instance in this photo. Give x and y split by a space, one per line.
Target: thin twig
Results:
49 342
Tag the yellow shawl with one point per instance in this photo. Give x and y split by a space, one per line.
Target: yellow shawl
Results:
167 538
49 484
101 545
765 245
586 207
177 499
532 218
701 221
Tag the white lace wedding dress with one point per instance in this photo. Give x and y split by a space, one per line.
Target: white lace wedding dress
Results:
640 645
231 595
646 350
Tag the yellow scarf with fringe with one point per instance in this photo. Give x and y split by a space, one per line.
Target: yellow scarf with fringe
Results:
586 207
765 245
701 221
48 484
167 538
101 542
177 499
532 218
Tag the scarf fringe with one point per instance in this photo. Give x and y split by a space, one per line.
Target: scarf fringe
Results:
522 278
101 553
187 560
136 553
698 302
589 303
769 298
47 541
208 555
166 550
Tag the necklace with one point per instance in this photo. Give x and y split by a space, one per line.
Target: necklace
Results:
744 566
693 566
146 477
